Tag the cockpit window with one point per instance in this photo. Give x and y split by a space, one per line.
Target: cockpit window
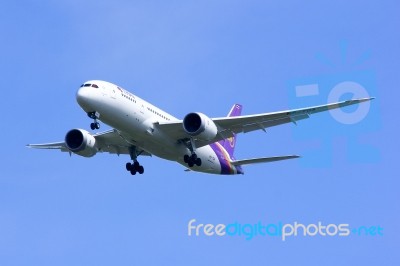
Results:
89 85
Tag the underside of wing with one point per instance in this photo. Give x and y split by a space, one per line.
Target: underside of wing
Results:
244 124
114 142
52 146
228 126
110 141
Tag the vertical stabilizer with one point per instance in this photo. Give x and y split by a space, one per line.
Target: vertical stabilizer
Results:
229 144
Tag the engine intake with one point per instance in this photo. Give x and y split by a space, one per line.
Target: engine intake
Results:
199 125
81 142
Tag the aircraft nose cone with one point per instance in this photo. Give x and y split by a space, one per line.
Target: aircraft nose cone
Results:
83 97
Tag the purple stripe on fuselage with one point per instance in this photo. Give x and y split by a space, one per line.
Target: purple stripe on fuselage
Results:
226 167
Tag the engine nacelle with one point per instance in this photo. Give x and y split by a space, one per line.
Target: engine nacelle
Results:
200 126
81 142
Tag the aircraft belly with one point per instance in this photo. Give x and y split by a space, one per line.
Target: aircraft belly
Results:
209 161
139 130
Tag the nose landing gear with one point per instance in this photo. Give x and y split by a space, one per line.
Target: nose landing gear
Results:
94 125
94 116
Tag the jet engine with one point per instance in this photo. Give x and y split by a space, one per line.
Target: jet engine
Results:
81 142
200 126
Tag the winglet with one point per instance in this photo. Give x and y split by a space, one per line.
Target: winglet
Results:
364 99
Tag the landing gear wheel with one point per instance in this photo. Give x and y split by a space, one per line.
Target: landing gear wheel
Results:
186 158
192 160
198 162
95 125
94 116
140 169
134 168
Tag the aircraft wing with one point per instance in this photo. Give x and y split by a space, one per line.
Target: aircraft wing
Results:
53 146
227 126
110 141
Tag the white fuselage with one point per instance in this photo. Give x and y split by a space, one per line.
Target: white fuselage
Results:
134 118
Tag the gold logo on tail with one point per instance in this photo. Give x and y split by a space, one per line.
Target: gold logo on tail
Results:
231 141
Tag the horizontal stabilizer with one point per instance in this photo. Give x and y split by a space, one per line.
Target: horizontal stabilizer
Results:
264 160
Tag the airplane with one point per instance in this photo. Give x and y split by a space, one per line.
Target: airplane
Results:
197 142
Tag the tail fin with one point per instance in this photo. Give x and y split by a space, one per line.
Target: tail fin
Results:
230 143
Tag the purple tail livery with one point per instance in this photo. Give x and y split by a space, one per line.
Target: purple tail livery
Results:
229 144
225 148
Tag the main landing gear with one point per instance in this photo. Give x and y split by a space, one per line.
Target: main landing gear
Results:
192 159
134 167
94 116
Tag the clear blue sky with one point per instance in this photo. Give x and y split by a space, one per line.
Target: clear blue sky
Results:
203 56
